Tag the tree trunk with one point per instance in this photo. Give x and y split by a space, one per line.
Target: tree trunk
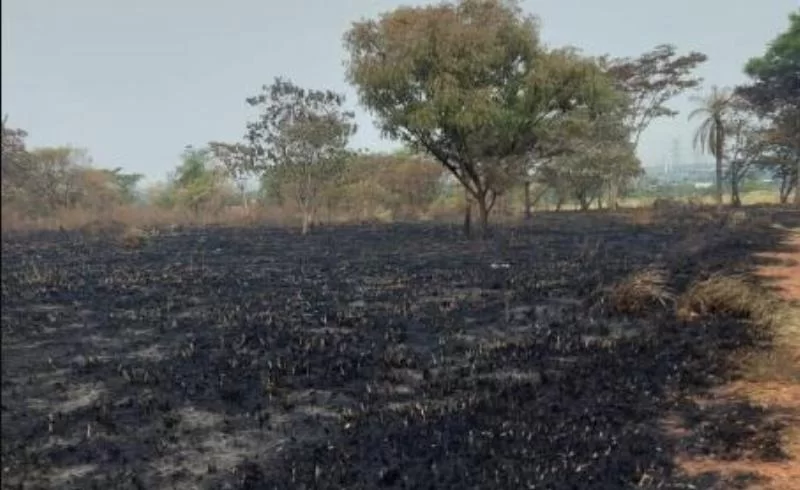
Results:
467 214
736 200
785 189
719 181
613 195
719 155
584 201
527 200
483 213
797 183
306 221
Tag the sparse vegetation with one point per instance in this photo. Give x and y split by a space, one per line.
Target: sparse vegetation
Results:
370 347
731 296
643 291
184 335
133 238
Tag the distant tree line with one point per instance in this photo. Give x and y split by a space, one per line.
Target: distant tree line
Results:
478 103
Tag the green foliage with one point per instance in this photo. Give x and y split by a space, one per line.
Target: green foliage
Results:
43 181
652 80
469 83
125 184
237 162
775 73
712 133
196 184
300 139
15 160
775 91
402 184
595 156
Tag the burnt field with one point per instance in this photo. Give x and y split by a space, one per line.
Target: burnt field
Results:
398 356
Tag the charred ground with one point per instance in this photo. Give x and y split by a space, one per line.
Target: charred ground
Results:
399 356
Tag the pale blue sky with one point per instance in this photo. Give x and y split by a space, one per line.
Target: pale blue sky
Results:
134 82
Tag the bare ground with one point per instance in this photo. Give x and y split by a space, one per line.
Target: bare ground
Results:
772 382
389 357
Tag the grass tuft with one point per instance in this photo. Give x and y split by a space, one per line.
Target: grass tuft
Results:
731 295
640 292
132 238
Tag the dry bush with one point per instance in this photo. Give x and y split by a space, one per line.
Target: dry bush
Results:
639 292
668 205
668 213
94 223
729 295
132 238
642 216
735 218
99 229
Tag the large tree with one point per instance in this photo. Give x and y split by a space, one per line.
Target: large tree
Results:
55 176
651 80
775 91
589 154
710 136
783 151
746 144
302 136
776 75
469 83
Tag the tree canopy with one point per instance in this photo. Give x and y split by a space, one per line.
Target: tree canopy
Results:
775 92
776 74
303 135
651 80
469 83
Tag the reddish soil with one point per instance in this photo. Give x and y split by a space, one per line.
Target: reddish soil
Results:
787 275
782 396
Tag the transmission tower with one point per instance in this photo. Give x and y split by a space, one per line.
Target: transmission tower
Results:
675 155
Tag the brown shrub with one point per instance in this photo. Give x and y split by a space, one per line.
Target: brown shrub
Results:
640 292
97 229
671 205
642 216
729 295
132 238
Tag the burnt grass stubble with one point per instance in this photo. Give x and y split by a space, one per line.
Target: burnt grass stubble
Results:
363 357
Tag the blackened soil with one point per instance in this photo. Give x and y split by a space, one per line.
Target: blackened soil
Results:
398 356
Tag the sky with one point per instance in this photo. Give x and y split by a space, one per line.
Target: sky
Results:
135 82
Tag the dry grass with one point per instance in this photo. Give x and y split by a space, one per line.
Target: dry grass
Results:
769 378
97 228
669 213
640 292
733 295
642 216
132 238
114 221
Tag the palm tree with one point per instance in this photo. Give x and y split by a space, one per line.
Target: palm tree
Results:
710 136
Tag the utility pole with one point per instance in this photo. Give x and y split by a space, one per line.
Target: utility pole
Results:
675 154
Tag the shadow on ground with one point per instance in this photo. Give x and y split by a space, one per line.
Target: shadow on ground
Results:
398 356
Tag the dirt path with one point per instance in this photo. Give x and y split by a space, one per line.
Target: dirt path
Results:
787 275
777 391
